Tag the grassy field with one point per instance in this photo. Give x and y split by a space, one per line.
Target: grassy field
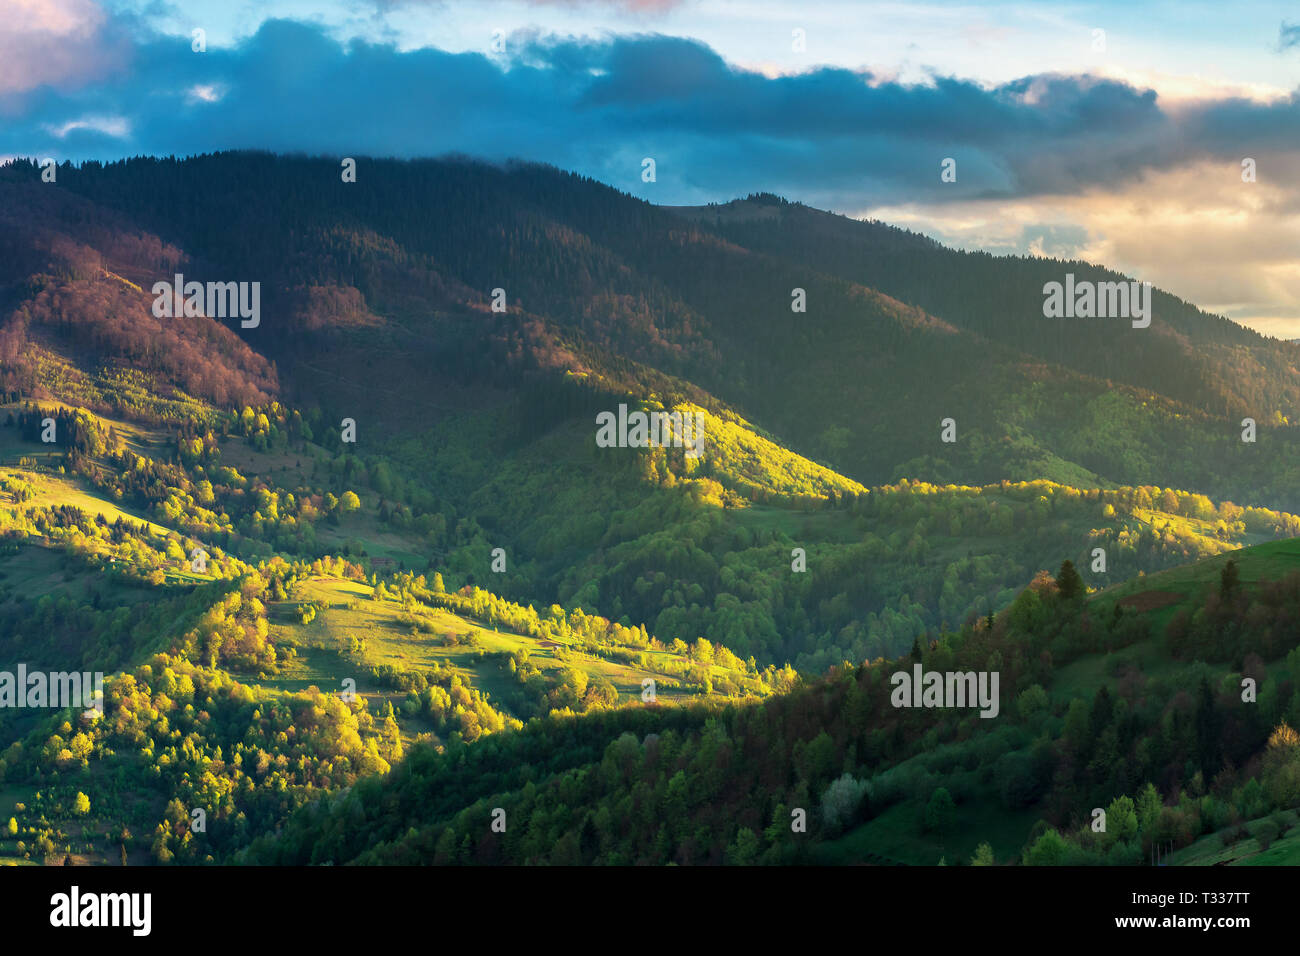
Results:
1160 595
51 490
284 469
351 613
39 570
136 438
895 836
280 467
293 469
1210 851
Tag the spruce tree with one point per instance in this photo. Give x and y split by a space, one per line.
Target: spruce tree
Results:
1068 582
1229 581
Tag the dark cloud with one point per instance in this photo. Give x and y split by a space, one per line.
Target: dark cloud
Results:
836 137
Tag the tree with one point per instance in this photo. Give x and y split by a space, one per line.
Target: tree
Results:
1207 723
349 502
1033 700
1149 806
841 801
13 826
1283 736
1266 831
1100 715
940 812
1026 611
744 848
1048 850
1017 781
1229 581
983 856
81 805
1121 819
1068 582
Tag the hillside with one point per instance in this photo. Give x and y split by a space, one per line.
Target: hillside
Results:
884 785
397 271
246 690
478 433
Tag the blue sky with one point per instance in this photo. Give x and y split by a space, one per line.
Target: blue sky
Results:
1108 132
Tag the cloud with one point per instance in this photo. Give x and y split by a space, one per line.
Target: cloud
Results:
115 126
1036 157
624 6
1049 239
1288 35
1198 231
63 42
829 135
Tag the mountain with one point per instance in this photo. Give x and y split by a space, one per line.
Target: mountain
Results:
610 300
418 553
397 270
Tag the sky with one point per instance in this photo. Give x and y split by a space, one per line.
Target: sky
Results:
1110 132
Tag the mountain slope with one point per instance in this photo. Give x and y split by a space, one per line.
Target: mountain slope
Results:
1145 743
397 271
475 427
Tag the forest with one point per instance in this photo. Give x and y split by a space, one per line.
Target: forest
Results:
1170 760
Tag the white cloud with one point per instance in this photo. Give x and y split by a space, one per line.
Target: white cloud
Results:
205 93
117 126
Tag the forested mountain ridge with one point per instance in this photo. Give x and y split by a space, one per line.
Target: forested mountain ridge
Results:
397 271
377 310
1187 357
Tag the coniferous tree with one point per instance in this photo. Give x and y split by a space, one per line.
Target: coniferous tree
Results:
1068 582
1229 581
